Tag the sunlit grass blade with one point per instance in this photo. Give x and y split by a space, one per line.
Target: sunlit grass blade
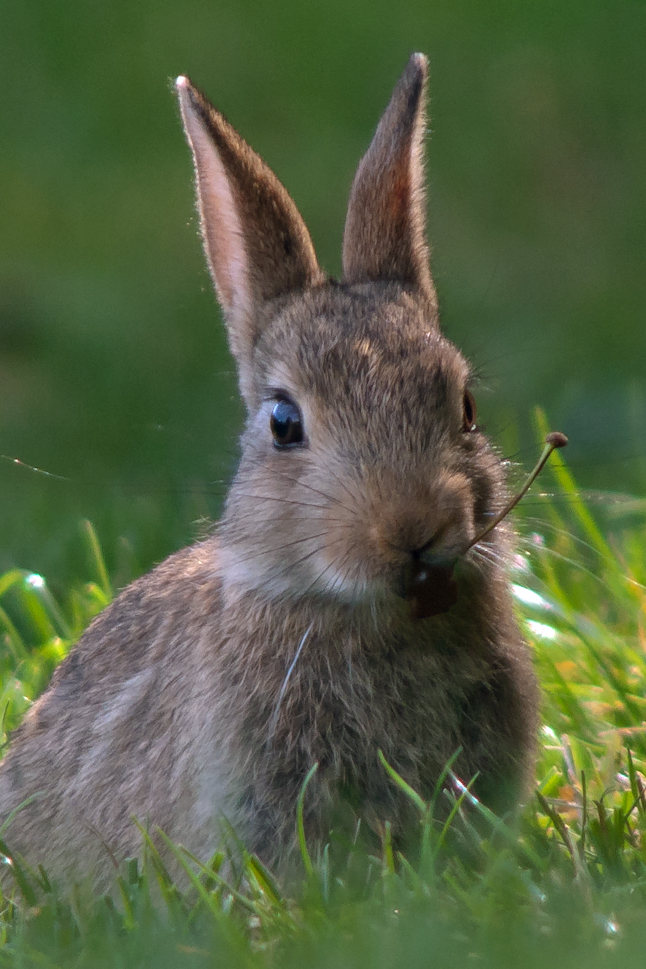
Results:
300 824
397 779
97 559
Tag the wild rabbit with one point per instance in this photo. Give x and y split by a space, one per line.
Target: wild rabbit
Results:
338 608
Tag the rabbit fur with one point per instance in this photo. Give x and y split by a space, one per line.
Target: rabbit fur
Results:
210 686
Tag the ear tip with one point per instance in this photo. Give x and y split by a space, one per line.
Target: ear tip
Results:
419 61
183 87
417 68
409 94
192 102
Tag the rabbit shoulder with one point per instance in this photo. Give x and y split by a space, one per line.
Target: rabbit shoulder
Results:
124 728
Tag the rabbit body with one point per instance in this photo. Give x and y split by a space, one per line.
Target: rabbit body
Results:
210 686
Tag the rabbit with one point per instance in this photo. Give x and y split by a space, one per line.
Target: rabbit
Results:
337 609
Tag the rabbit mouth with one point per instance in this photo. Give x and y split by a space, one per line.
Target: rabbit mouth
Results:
429 588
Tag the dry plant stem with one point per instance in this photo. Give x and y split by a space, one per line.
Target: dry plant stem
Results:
553 441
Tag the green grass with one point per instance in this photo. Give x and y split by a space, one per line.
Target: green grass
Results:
563 884
114 369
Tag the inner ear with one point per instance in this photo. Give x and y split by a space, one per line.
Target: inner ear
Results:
222 231
256 243
385 229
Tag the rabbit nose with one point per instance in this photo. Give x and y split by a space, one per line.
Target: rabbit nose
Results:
428 552
411 535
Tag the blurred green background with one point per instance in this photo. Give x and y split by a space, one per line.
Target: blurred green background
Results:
114 372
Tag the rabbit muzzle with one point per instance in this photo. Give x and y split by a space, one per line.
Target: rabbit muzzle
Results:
420 536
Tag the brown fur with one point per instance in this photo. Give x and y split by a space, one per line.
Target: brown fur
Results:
211 685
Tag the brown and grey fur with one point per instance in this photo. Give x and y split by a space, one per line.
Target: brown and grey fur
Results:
211 685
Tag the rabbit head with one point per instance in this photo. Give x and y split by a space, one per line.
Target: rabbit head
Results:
361 461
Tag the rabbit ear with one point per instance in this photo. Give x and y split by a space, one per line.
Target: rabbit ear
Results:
384 235
256 243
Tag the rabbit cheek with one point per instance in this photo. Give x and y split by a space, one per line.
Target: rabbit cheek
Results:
341 562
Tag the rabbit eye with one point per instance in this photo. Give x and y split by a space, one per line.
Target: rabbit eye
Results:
286 424
470 412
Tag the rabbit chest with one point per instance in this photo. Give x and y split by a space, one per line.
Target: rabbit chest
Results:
336 688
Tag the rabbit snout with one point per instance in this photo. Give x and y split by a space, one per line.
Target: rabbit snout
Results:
394 529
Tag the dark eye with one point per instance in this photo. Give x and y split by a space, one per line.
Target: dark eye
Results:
286 424
470 412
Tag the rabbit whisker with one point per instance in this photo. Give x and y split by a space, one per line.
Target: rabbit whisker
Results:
310 519
330 583
316 491
317 519
257 553
563 532
287 501
485 555
342 483
291 565
273 723
317 579
581 568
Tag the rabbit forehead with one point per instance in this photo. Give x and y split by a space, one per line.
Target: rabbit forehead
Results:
370 346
